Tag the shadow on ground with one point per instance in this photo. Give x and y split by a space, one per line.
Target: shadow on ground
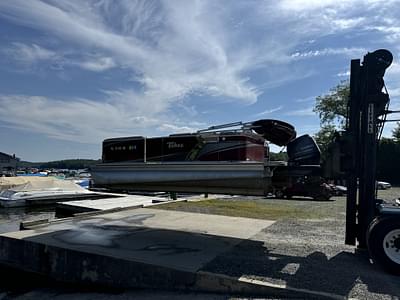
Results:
316 272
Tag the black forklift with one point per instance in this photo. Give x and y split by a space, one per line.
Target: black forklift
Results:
371 223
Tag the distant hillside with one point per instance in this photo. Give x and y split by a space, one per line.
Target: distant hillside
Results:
60 164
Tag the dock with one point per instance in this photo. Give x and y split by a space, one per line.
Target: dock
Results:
138 248
152 248
123 201
112 201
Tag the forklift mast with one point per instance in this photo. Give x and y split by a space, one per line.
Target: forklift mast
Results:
366 114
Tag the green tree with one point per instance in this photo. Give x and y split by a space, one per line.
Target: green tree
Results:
396 133
332 111
324 136
332 107
280 156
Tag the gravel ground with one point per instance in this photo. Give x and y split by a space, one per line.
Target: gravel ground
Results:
310 254
301 253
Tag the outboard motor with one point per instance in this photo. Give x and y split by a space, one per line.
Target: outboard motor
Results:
303 151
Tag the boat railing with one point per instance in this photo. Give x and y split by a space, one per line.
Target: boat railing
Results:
244 126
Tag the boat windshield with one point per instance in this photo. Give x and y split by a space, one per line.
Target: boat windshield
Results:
7 193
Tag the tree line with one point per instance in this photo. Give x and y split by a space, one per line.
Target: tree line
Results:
332 111
71 164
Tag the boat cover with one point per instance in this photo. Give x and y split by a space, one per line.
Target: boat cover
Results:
10 182
277 132
19 184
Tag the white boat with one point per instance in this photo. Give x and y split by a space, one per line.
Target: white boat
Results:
42 191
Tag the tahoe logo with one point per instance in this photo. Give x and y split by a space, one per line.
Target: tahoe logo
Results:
172 145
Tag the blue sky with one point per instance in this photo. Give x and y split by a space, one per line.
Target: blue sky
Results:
75 72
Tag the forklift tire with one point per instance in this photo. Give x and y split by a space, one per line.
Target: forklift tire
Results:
383 240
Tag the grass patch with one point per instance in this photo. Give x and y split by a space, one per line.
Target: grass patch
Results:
248 209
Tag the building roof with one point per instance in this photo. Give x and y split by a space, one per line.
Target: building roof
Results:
8 156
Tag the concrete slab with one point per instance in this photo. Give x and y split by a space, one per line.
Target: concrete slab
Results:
122 201
235 227
119 201
147 248
298 258
136 248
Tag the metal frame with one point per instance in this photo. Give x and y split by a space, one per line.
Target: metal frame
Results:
367 106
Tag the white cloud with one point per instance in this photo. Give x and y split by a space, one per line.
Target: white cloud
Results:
343 74
59 119
348 23
35 54
307 99
176 49
350 52
302 128
312 5
391 30
269 111
301 5
394 92
394 69
98 64
29 54
177 129
123 113
313 20
302 112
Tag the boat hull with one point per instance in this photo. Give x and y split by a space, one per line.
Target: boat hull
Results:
49 199
248 178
